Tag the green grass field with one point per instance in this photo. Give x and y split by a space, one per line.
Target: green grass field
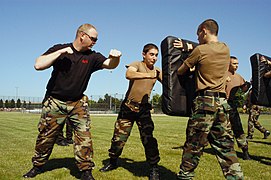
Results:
19 131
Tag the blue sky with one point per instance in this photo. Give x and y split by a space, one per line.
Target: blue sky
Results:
30 27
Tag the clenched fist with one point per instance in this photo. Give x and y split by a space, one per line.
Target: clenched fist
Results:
114 53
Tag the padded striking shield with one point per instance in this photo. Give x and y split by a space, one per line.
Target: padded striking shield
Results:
178 91
261 86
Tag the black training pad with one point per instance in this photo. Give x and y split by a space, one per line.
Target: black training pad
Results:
178 91
261 86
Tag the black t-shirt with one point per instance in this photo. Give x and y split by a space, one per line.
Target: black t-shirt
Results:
71 72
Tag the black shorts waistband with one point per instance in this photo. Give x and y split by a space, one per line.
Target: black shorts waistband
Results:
211 93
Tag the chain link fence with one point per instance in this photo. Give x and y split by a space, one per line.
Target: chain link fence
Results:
98 104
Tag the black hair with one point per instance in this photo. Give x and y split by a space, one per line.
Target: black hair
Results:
149 46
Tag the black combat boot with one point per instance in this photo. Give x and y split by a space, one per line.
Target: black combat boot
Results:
87 175
266 134
33 172
245 153
154 173
110 166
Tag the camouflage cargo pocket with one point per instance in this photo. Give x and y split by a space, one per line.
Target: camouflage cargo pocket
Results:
205 104
132 107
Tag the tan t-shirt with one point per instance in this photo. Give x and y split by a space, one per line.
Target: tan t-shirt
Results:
139 90
211 61
233 80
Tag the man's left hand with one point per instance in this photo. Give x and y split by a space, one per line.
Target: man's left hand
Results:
114 53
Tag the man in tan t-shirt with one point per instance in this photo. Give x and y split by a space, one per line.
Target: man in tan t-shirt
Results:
254 112
234 82
209 121
142 76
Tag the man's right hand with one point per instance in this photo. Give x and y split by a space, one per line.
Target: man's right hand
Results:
178 43
67 50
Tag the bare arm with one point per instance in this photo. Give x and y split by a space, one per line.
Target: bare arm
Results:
182 69
267 74
45 61
179 44
113 60
132 74
160 77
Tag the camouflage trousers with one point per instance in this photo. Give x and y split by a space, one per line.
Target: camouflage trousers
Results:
210 123
53 117
237 127
253 117
123 127
68 132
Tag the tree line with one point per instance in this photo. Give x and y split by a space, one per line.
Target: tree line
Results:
12 104
107 102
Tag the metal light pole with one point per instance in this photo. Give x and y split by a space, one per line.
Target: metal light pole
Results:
90 101
110 102
152 96
17 89
116 102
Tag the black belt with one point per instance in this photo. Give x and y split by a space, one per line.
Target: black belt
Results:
128 101
211 93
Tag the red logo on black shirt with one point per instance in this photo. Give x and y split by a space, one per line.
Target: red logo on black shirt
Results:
84 61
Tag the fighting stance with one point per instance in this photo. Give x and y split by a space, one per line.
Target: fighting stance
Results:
209 121
253 118
135 108
73 65
234 82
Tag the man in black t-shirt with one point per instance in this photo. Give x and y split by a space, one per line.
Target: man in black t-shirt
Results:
64 100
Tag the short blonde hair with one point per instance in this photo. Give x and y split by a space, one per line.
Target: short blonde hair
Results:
84 28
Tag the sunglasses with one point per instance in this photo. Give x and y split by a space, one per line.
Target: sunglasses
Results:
91 38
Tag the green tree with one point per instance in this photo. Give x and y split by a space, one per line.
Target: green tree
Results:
18 104
12 103
29 105
24 104
240 98
7 104
156 100
107 98
91 103
100 100
1 103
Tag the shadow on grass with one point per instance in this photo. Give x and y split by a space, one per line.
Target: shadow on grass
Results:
68 163
260 159
205 150
141 168
261 142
